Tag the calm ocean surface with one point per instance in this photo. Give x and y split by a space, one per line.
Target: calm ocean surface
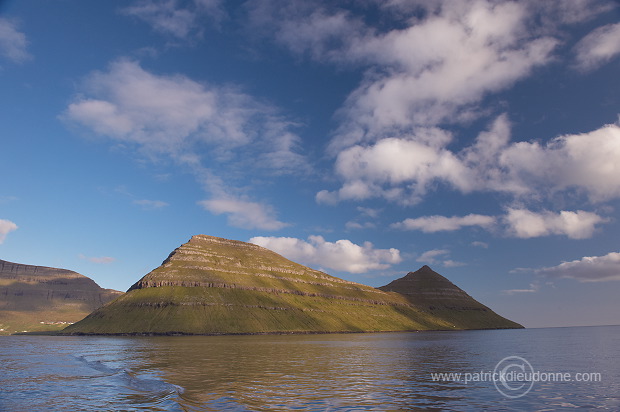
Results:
344 372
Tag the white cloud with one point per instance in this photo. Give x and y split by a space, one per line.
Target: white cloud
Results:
524 223
430 255
13 43
404 169
587 162
397 168
161 114
6 226
342 255
103 260
315 32
439 256
569 12
598 47
431 224
434 70
437 69
369 212
175 115
521 223
244 213
534 287
587 269
182 21
429 70
193 124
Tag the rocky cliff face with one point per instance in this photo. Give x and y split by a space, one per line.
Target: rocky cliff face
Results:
432 293
37 298
212 285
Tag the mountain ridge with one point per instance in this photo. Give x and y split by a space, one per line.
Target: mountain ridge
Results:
212 285
42 298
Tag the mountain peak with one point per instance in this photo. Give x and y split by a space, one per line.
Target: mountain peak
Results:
432 292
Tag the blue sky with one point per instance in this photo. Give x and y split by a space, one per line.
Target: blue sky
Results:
363 138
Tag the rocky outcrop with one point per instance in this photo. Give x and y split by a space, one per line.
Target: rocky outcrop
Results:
212 285
37 298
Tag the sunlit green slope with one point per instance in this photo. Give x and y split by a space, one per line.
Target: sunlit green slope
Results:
212 285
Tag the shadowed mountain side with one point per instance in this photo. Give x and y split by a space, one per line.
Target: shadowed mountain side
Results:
37 298
211 285
432 293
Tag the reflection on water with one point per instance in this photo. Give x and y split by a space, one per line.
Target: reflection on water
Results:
311 371
301 372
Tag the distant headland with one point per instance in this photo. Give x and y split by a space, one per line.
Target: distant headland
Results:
211 286
39 298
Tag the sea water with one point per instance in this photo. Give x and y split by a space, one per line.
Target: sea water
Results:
334 372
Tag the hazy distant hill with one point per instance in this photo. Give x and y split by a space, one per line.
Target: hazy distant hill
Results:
212 285
432 293
38 298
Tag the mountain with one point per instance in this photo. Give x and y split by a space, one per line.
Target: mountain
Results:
432 293
38 298
212 285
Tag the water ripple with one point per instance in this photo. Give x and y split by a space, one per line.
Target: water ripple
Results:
360 372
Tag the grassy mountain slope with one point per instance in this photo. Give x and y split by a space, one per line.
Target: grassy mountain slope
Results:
212 285
37 298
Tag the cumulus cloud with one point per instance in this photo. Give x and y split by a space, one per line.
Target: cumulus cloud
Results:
436 69
587 162
431 66
399 169
13 43
244 213
439 63
193 124
170 17
576 225
404 169
6 226
587 269
175 115
103 260
598 47
342 255
431 224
